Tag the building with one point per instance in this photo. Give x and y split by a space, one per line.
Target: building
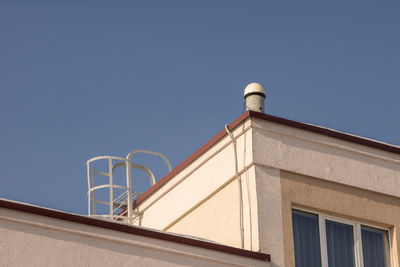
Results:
275 192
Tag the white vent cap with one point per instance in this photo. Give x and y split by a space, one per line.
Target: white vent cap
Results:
254 89
254 95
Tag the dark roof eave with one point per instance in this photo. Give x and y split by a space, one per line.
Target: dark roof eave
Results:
130 229
328 132
262 116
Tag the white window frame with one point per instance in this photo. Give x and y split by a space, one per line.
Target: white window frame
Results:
358 251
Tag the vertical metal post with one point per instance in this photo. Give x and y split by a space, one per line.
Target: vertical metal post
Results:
93 193
89 193
129 186
110 173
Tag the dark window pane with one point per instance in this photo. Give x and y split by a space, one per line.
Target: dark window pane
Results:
375 245
306 239
340 244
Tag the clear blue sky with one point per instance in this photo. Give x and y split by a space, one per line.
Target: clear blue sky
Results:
85 78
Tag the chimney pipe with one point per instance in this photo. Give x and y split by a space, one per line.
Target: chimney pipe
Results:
254 94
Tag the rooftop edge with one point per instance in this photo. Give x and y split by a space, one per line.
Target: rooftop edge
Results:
130 229
252 114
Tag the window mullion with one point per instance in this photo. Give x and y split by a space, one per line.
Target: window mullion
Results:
358 245
322 238
391 263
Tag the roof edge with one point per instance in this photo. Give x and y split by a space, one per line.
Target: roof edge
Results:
266 117
130 229
191 158
328 132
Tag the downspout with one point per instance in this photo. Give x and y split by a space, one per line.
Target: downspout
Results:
240 186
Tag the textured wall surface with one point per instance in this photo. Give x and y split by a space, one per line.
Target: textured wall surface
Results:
33 240
203 199
339 201
298 168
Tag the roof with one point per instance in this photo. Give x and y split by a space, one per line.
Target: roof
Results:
130 229
328 132
252 114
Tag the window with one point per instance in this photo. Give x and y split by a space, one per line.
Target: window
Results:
323 241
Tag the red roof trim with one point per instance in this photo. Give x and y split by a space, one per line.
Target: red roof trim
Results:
262 116
190 159
130 229
327 132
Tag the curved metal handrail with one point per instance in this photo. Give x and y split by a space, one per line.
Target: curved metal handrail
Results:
106 186
124 200
138 166
130 154
105 157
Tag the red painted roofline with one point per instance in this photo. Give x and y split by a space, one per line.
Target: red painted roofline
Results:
130 229
190 159
328 132
262 116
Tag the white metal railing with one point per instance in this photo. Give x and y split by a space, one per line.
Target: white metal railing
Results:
120 207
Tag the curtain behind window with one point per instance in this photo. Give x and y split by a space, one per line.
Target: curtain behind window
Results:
306 239
375 245
340 244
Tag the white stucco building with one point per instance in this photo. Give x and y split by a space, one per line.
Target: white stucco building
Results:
265 191
284 167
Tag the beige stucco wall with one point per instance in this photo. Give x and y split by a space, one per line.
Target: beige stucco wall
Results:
299 151
198 201
270 214
204 197
218 217
363 181
280 167
33 240
340 201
